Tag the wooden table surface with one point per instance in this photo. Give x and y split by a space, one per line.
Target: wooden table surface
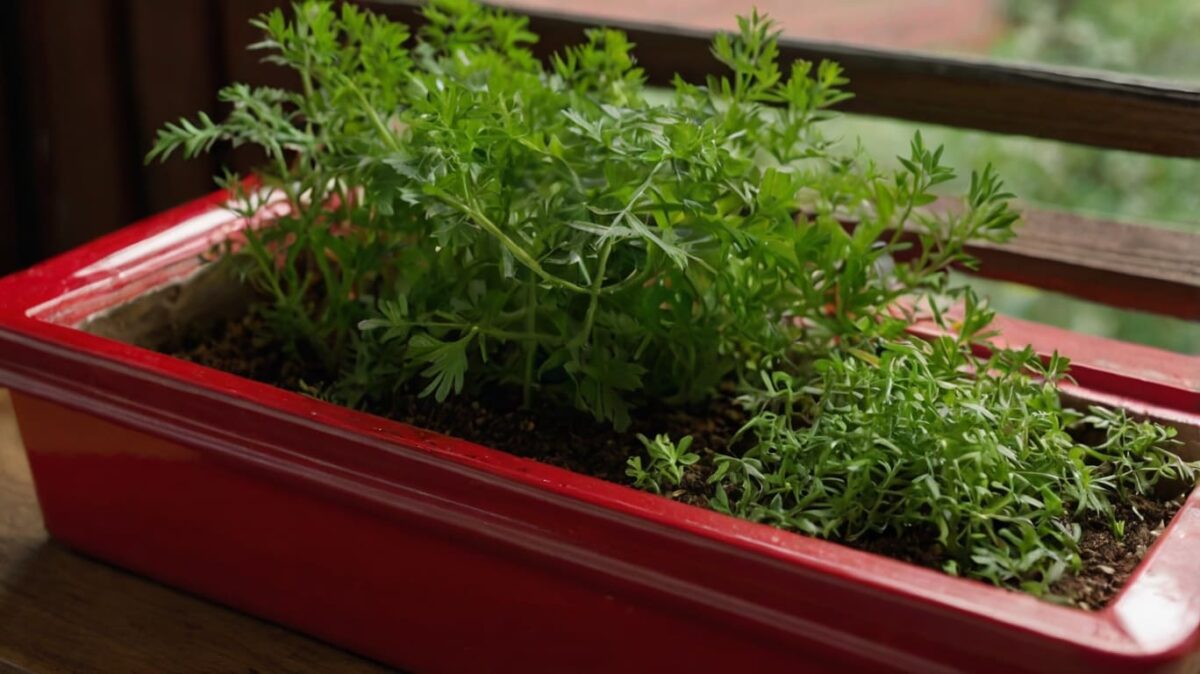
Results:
63 612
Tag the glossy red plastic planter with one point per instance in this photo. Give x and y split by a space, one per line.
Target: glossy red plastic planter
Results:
440 555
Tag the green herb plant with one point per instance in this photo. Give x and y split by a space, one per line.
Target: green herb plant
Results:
667 462
970 452
463 216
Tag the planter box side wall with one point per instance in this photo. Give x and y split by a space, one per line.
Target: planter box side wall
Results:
400 591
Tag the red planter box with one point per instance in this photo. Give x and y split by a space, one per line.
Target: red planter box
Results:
440 555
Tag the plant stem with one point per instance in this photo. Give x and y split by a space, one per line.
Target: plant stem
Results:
513 247
597 281
531 342
385 133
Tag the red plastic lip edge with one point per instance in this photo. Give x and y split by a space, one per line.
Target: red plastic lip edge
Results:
1156 618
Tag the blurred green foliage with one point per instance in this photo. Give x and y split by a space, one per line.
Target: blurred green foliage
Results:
1154 38
1149 37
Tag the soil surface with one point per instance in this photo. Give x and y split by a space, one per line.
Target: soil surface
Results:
562 436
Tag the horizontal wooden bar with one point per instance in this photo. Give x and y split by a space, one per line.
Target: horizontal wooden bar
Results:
1139 267
1120 264
1088 107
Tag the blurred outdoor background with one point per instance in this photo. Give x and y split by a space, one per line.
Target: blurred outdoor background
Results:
84 84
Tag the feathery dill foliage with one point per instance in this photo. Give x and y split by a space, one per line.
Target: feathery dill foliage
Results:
465 216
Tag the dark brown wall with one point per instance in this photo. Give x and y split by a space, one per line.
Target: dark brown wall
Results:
9 254
83 87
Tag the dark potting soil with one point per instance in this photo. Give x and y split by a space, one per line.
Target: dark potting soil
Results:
561 436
